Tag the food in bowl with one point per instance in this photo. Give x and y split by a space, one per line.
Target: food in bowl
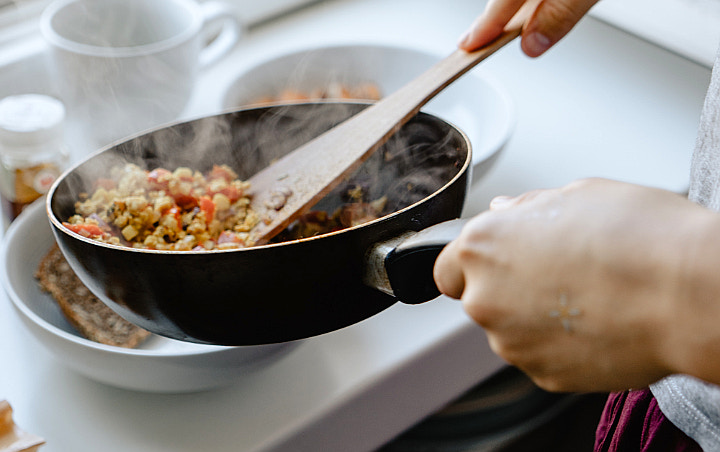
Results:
178 210
333 90
478 103
83 310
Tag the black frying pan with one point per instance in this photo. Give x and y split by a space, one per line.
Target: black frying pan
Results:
282 291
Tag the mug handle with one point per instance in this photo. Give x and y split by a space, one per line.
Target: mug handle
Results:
228 36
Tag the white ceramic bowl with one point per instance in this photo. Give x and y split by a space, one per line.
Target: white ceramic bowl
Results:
158 365
477 103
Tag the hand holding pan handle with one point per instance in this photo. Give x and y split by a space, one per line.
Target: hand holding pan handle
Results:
403 266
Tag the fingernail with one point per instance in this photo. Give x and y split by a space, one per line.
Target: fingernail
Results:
536 44
500 201
465 38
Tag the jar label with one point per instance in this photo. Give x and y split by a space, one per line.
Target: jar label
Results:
34 181
21 186
44 179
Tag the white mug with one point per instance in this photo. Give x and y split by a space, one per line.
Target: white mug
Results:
123 66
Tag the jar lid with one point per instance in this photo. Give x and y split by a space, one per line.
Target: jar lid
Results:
30 120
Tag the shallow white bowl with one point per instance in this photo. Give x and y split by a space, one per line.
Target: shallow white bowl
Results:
477 103
158 365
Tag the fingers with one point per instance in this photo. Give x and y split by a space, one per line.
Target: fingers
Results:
451 266
506 202
502 202
550 22
490 24
553 19
448 272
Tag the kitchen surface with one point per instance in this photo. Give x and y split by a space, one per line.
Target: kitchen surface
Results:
602 103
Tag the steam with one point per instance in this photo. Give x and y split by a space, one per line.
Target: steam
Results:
417 161
111 76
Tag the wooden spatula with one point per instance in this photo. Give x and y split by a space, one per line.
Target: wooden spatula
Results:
292 185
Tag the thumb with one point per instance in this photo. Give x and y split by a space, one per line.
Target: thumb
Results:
550 22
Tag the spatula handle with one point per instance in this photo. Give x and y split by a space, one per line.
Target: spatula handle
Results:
310 172
403 104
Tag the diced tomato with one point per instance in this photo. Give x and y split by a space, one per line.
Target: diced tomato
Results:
207 206
174 211
159 178
85 230
185 202
229 237
220 172
231 192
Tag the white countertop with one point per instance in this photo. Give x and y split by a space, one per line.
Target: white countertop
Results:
603 103
688 27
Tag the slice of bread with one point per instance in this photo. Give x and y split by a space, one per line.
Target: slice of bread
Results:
90 316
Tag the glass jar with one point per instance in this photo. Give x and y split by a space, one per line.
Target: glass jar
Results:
32 150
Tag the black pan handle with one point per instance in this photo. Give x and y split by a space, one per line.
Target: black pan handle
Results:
403 266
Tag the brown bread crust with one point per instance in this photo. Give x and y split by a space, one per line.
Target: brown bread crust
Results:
90 316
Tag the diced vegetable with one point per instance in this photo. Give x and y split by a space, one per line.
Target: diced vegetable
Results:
207 206
86 230
160 209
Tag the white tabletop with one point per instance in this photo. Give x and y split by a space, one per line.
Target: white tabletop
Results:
689 27
603 103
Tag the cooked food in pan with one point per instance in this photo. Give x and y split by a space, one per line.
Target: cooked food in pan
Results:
185 210
357 210
180 210
266 294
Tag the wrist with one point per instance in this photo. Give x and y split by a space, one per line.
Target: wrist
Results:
691 320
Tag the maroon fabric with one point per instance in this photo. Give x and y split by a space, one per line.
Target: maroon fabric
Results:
632 421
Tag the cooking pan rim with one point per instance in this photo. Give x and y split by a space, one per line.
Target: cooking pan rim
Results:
58 226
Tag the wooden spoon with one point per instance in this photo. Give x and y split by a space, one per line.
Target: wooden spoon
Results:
292 185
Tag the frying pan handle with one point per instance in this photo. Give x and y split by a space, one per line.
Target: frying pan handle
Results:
403 266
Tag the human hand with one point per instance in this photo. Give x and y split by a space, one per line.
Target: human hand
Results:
550 21
612 259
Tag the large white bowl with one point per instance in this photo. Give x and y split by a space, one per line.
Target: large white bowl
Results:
158 365
477 103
